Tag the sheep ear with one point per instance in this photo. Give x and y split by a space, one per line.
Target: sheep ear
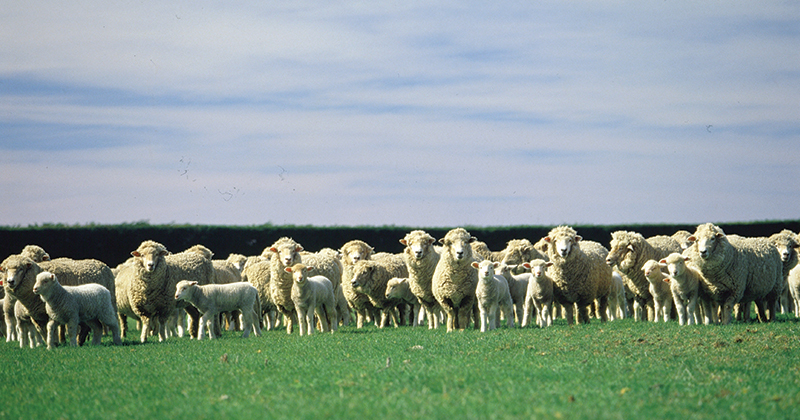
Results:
273 249
164 253
441 241
193 283
685 258
309 268
136 254
298 248
46 257
666 279
496 264
288 269
404 242
472 239
720 235
475 264
548 264
663 262
578 238
691 239
526 265
547 239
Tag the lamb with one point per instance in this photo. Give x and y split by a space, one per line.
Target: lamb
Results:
684 282
518 287
20 277
617 299
224 273
492 296
399 290
312 295
736 270
794 289
629 251
370 278
659 289
539 294
213 299
579 272
454 280
72 305
353 252
328 263
786 242
421 259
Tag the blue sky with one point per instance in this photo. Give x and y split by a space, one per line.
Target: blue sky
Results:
418 114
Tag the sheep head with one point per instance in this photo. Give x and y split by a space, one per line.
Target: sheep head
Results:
15 268
44 282
674 263
149 255
486 269
418 243
362 274
457 243
786 242
624 248
707 238
395 287
562 240
287 251
183 288
355 251
299 273
518 251
537 267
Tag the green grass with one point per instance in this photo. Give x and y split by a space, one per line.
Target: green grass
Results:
617 370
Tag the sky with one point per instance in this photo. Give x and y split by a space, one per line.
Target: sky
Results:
422 114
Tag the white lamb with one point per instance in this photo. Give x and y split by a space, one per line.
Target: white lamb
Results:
684 283
539 294
493 296
312 295
659 289
88 303
212 299
398 289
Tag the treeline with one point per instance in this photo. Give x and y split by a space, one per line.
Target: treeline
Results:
112 244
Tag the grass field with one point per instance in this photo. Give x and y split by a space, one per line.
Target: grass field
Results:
617 370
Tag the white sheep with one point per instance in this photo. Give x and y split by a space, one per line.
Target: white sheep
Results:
794 289
579 272
72 305
629 251
659 289
353 252
258 274
313 295
492 296
539 295
786 242
370 277
213 299
421 259
454 280
518 287
684 282
285 252
736 270
398 289
617 300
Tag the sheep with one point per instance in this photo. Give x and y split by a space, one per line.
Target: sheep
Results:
617 299
421 259
492 296
285 252
454 280
539 294
212 299
681 237
684 282
579 272
237 260
794 289
519 251
629 251
786 243
258 274
88 303
480 248
353 252
370 278
659 289
20 276
314 294
736 270
25 330
328 263
398 289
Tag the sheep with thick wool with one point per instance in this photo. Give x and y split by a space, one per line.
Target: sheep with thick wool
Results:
285 252
736 270
629 251
454 280
353 252
370 277
786 242
539 295
659 289
421 258
684 282
579 272
20 276
492 296
213 299
259 274
89 304
313 295
617 298
794 289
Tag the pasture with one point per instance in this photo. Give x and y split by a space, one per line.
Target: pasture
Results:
614 370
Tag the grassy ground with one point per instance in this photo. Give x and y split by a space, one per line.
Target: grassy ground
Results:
617 370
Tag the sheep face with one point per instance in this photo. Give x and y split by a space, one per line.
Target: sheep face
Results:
623 250
183 289
707 238
537 267
299 274
457 243
652 271
786 242
44 283
14 268
419 243
362 274
355 251
675 264
518 251
149 256
288 254
485 269
563 244
395 286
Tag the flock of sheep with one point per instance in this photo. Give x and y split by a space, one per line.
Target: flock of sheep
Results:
702 277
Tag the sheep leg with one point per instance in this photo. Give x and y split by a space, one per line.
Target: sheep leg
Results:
569 313
97 331
309 320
